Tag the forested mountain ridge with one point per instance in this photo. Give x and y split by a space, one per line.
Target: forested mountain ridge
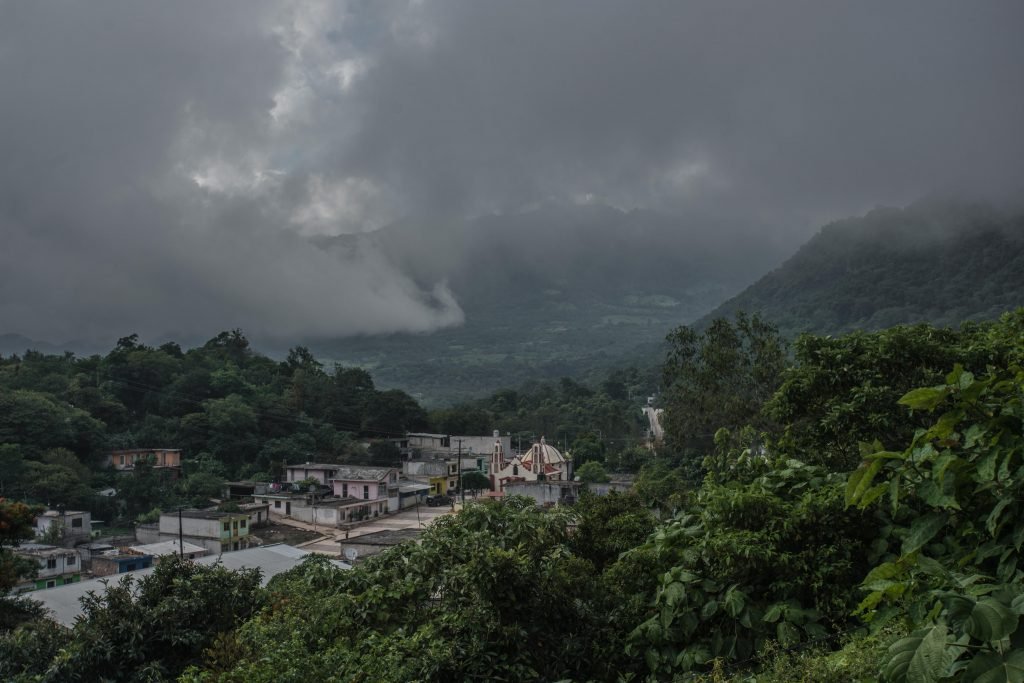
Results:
935 262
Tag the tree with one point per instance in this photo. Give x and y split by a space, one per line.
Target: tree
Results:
16 525
956 504
384 453
719 378
475 481
586 448
154 627
592 473
843 391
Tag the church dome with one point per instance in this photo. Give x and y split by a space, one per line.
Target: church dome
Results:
544 454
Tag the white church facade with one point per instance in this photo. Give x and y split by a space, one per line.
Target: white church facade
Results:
542 462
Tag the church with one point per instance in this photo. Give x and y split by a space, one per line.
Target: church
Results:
542 462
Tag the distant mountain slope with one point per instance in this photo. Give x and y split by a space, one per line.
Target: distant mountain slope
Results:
931 262
561 290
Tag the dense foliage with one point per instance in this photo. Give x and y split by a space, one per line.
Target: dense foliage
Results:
148 629
791 557
234 412
594 423
718 379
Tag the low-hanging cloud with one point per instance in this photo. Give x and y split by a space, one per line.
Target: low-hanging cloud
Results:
163 164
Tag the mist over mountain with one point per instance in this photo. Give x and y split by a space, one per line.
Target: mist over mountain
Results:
555 290
935 261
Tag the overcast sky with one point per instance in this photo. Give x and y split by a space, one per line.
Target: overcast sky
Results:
161 164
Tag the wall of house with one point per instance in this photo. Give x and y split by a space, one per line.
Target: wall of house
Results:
75 524
299 473
541 491
355 489
238 527
108 566
69 562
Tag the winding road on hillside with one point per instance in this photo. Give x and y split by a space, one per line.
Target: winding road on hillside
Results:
654 418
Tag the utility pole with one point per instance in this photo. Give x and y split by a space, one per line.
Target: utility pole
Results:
462 488
181 534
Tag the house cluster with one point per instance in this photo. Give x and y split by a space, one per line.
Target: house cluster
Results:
333 495
65 551
336 495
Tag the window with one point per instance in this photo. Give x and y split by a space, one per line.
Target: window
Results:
51 583
51 563
366 493
235 525
515 470
69 560
227 526
277 503
242 523
76 523
122 459
344 490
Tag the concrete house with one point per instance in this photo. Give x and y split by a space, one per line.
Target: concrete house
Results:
119 563
367 484
158 551
55 566
166 459
311 470
75 525
218 532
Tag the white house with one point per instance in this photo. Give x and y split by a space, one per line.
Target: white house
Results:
218 532
55 566
74 524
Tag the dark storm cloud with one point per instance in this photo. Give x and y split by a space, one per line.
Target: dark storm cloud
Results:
765 107
161 160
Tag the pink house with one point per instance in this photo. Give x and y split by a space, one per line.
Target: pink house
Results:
364 483
159 458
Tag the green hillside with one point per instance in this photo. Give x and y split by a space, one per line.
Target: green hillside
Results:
933 262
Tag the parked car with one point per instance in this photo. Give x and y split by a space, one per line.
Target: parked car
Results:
438 501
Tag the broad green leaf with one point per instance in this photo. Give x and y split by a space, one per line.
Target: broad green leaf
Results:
894 493
774 612
921 657
989 667
1018 604
990 620
873 494
709 609
926 398
860 481
939 496
674 593
973 435
993 519
735 599
923 530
